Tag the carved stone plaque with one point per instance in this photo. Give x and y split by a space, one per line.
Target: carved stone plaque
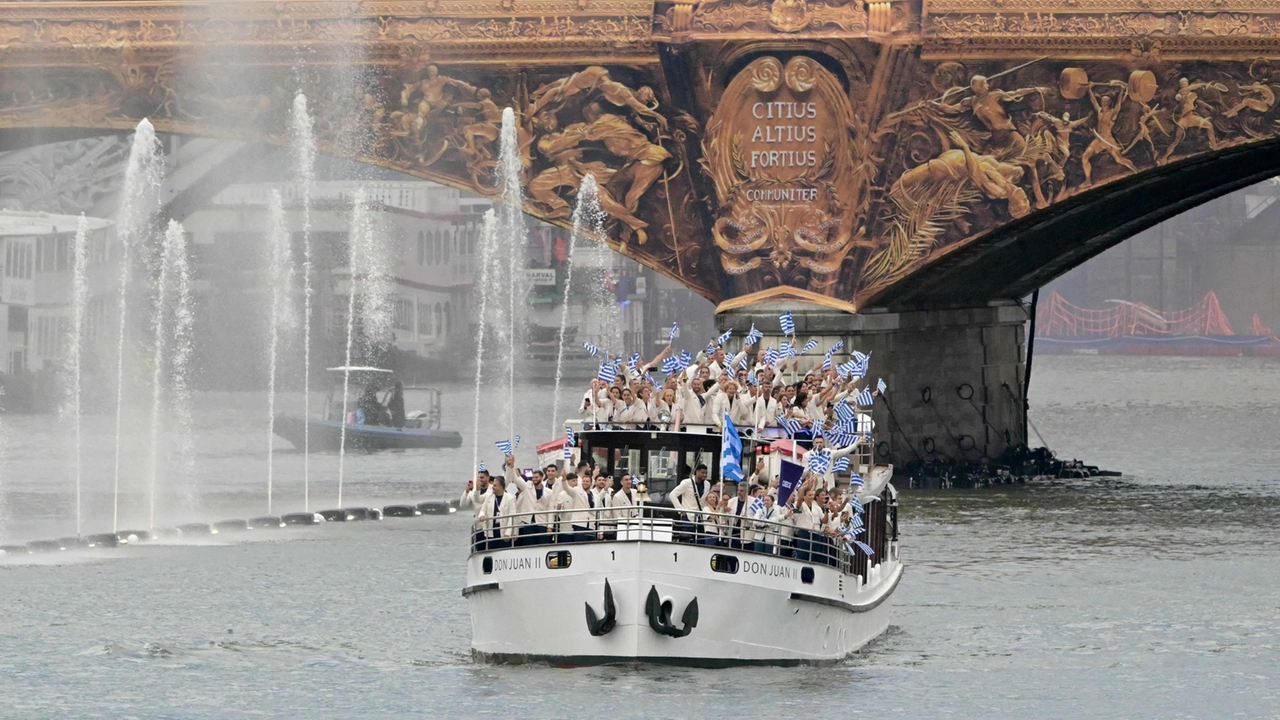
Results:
784 164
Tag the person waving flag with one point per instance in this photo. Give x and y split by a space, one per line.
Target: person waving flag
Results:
788 324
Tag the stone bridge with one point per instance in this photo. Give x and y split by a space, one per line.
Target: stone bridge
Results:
907 170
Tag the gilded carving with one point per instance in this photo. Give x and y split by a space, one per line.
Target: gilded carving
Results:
810 17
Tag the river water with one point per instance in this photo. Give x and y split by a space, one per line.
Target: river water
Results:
1156 595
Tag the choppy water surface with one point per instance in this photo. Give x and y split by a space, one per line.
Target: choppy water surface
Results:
1156 595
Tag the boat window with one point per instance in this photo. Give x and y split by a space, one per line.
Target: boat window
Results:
559 559
724 563
600 457
627 460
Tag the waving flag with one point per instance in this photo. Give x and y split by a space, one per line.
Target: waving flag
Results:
483 468
685 359
725 337
608 372
675 330
836 348
788 325
841 465
770 356
848 369
730 452
570 436
517 444
711 347
865 397
787 349
568 452
845 412
881 386
504 446
649 378
592 350
791 425
826 362
819 462
752 337
813 343
633 361
757 505
860 363
742 362
855 480
752 379
671 365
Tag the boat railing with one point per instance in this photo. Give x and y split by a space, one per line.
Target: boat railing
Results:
590 424
658 524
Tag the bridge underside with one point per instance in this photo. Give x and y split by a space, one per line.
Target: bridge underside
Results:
897 156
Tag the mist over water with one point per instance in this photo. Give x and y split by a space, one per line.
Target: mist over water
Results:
1151 595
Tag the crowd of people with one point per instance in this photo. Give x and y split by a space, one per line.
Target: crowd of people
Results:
768 390
547 506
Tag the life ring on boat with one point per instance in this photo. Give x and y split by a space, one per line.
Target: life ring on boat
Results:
599 626
964 390
659 613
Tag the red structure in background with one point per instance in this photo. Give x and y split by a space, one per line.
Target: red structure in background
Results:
1138 329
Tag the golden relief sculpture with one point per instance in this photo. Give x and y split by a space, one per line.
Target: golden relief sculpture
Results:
790 17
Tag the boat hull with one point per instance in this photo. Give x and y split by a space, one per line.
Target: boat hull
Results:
765 613
327 435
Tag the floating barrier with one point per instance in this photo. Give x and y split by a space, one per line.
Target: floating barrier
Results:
196 530
265 522
103 540
134 536
401 511
230 526
334 515
436 507
302 518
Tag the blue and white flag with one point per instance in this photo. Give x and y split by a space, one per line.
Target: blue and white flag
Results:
711 347
813 343
685 359
633 361
730 452
826 363
819 461
757 505
845 412
838 437
855 480
836 348
881 386
592 350
788 325
864 547
841 465
860 363
853 503
752 379
568 452
671 365
847 369
752 337
742 362
770 357
865 397
725 337
675 330
791 425
504 446
570 437
608 372
787 349
517 443
649 378
483 468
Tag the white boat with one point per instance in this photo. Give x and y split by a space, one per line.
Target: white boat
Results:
655 588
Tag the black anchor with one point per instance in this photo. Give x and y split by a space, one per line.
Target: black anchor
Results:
660 615
601 626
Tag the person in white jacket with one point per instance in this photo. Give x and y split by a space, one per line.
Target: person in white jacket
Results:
571 504
827 480
687 498
625 502
495 505
770 527
740 509
726 400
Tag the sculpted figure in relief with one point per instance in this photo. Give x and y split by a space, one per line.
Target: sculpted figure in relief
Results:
1186 116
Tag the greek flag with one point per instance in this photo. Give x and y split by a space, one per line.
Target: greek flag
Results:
860 363
841 465
504 446
570 436
853 503
633 361
725 337
742 362
846 369
855 480
770 357
568 452
845 412
881 386
711 347
608 372
865 397
757 505
649 377
753 336
788 325
791 425
483 468
855 523
685 359
730 452
836 348
517 441
864 547
813 343
788 349
675 330
826 363
752 379
819 462
671 365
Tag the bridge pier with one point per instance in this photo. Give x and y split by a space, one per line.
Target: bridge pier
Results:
955 376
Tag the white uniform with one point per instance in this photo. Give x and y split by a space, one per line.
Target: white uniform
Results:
696 408
766 412
771 534
625 504
684 497
573 500
741 509
493 511
828 479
